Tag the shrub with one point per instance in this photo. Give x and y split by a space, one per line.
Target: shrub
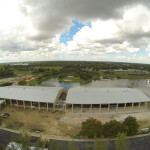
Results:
22 82
112 128
130 126
91 127
121 144
100 145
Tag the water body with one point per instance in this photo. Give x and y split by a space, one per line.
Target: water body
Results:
100 83
142 85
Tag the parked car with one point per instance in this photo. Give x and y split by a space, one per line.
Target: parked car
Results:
4 115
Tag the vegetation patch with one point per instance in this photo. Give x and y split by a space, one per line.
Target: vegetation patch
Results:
6 83
92 127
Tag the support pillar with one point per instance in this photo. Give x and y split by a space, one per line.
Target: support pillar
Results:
132 106
10 102
24 105
91 109
117 108
81 107
145 105
5 102
47 106
39 106
31 105
72 108
65 107
100 107
108 107
17 103
139 106
125 105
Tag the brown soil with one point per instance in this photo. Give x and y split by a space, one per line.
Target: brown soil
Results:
35 121
60 125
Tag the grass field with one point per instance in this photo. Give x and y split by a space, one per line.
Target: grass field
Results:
125 75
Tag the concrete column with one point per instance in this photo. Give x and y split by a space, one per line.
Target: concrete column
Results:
108 107
5 102
100 107
47 106
139 106
91 109
145 105
17 103
81 107
53 106
65 107
24 105
132 106
31 105
72 107
125 106
39 106
10 102
117 108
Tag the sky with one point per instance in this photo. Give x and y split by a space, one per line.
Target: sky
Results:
76 30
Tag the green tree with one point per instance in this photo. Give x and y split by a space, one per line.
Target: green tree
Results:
72 146
87 147
91 127
25 140
41 142
121 143
22 82
2 147
55 145
130 126
100 145
112 128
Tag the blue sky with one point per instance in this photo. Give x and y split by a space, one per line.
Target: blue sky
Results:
68 35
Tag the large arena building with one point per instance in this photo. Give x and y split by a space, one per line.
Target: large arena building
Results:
78 99
30 96
108 99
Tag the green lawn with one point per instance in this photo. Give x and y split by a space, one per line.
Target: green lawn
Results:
124 75
32 82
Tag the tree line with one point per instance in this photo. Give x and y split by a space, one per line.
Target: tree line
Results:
92 127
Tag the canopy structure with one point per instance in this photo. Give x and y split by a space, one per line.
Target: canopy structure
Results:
31 93
105 96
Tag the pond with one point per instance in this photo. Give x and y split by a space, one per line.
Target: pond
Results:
100 83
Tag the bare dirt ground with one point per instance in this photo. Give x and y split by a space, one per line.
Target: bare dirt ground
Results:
41 122
60 125
143 117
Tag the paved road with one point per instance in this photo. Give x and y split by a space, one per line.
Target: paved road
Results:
139 143
7 136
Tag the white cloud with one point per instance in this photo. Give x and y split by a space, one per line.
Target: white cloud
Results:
30 29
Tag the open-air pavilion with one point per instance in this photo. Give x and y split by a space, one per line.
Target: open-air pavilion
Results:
108 99
31 96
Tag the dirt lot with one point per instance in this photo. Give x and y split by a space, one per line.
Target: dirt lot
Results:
39 122
58 124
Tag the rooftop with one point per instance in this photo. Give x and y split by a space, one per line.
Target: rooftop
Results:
105 96
30 93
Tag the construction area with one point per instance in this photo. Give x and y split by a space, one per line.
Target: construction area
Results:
56 113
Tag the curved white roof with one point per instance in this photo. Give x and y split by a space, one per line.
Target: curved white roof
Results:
105 96
31 93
